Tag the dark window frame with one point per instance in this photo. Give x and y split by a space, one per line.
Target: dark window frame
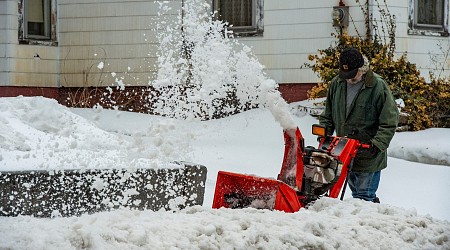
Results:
48 36
416 28
257 26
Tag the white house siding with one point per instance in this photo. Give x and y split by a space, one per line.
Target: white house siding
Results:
19 65
29 70
7 30
295 29
121 34
292 31
118 33
420 49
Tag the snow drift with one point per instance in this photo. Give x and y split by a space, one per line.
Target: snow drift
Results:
250 142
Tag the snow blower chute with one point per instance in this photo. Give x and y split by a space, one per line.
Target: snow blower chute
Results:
306 174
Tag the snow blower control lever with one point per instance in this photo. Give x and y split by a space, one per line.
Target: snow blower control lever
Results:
306 175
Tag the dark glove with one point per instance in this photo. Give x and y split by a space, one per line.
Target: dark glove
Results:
368 153
374 150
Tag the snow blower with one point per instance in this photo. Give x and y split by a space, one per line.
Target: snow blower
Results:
306 175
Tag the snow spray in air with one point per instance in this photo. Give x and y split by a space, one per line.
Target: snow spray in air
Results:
204 72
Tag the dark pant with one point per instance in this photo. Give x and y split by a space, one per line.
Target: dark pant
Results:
364 185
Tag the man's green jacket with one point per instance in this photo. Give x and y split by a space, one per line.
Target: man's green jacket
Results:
372 119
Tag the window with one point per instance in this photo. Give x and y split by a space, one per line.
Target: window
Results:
37 19
429 17
36 24
245 17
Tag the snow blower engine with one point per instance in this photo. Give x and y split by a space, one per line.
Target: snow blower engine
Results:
306 175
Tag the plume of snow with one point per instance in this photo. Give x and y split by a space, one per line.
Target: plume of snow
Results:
204 72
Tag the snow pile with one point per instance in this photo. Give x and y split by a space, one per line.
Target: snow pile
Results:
208 74
212 74
412 147
39 133
249 142
328 224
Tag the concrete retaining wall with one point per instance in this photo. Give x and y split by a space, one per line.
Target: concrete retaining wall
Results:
75 192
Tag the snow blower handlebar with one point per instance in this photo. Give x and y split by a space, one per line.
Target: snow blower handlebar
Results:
342 148
349 168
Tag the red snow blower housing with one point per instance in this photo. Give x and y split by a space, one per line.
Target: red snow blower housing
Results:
307 174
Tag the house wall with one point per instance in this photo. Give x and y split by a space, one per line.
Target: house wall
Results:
118 33
295 29
7 29
292 31
426 51
121 34
24 65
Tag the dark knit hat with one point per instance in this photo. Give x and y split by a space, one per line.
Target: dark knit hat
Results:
349 63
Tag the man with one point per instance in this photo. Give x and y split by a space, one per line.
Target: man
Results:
360 105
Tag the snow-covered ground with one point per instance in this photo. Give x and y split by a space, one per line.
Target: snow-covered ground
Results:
38 133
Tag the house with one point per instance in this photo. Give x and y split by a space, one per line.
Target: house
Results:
55 47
